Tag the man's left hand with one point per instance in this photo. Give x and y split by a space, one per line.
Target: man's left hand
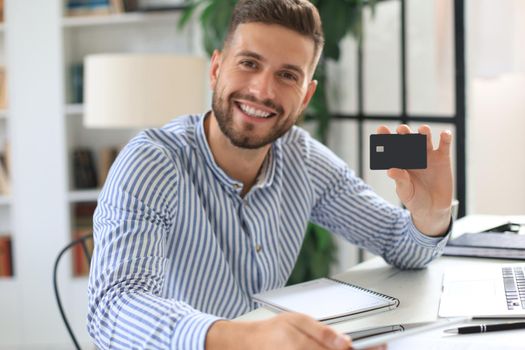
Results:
427 193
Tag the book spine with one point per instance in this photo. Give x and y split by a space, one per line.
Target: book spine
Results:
117 6
3 88
84 171
88 7
77 82
6 258
80 260
5 186
106 158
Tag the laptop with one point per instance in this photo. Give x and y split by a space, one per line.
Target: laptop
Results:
492 291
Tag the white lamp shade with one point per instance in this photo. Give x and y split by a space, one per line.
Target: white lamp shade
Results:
140 91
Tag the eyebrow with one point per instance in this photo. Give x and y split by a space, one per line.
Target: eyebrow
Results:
255 55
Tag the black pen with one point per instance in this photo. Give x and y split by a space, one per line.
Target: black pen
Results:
482 328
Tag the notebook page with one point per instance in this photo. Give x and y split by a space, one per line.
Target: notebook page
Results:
323 298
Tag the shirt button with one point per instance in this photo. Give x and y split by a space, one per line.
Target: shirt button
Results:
236 186
258 248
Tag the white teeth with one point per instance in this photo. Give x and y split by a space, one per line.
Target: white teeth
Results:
254 112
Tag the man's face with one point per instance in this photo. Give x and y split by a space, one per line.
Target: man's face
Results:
261 83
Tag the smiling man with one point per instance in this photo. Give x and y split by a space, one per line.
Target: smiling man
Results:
198 216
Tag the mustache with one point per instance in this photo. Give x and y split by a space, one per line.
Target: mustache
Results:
267 102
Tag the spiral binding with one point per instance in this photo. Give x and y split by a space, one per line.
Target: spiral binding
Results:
388 297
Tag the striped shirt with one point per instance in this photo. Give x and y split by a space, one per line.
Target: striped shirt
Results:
177 247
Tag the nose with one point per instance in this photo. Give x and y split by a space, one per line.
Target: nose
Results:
262 85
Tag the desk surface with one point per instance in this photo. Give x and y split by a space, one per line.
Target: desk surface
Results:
419 294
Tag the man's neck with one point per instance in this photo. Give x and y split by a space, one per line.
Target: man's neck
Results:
240 164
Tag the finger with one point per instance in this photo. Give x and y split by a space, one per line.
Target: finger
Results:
383 129
404 186
398 175
403 129
445 140
322 334
425 130
306 342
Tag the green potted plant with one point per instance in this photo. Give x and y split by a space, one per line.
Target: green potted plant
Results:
340 18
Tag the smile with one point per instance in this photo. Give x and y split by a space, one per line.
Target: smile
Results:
254 112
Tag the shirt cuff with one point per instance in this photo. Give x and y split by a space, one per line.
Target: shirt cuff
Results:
191 331
420 238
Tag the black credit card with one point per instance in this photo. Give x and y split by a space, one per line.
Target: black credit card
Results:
407 151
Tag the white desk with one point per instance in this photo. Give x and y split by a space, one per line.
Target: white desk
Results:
419 293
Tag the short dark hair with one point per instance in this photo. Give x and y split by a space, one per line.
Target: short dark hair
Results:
300 16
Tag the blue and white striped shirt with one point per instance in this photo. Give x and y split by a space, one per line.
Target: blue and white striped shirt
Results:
177 247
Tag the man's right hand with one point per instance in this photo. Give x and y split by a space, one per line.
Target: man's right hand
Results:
285 331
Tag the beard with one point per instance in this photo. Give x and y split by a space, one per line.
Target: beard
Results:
223 111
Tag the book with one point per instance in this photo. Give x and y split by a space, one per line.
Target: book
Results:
107 156
161 5
77 82
117 6
131 5
82 225
88 7
5 185
81 262
83 214
3 88
6 257
500 242
327 300
6 157
84 170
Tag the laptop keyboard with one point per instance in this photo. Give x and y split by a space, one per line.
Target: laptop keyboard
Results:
514 282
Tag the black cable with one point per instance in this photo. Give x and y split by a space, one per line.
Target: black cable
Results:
55 286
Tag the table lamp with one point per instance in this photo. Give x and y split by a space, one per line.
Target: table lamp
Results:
141 90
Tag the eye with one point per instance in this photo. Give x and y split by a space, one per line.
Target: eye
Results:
248 64
289 76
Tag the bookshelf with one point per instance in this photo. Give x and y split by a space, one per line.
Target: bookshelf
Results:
79 196
74 109
120 19
45 125
127 32
6 251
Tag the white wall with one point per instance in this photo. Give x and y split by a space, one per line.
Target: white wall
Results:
38 220
496 106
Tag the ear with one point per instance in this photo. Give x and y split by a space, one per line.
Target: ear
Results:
215 68
312 86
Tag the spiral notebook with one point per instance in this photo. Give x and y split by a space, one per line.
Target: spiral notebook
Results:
327 300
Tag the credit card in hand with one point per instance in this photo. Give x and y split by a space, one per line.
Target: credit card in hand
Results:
407 151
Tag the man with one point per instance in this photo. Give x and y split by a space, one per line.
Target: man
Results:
198 216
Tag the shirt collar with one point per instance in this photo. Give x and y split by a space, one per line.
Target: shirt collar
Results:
266 175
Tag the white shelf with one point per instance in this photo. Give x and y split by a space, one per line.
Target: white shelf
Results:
117 19
79 196
74 109
5 200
